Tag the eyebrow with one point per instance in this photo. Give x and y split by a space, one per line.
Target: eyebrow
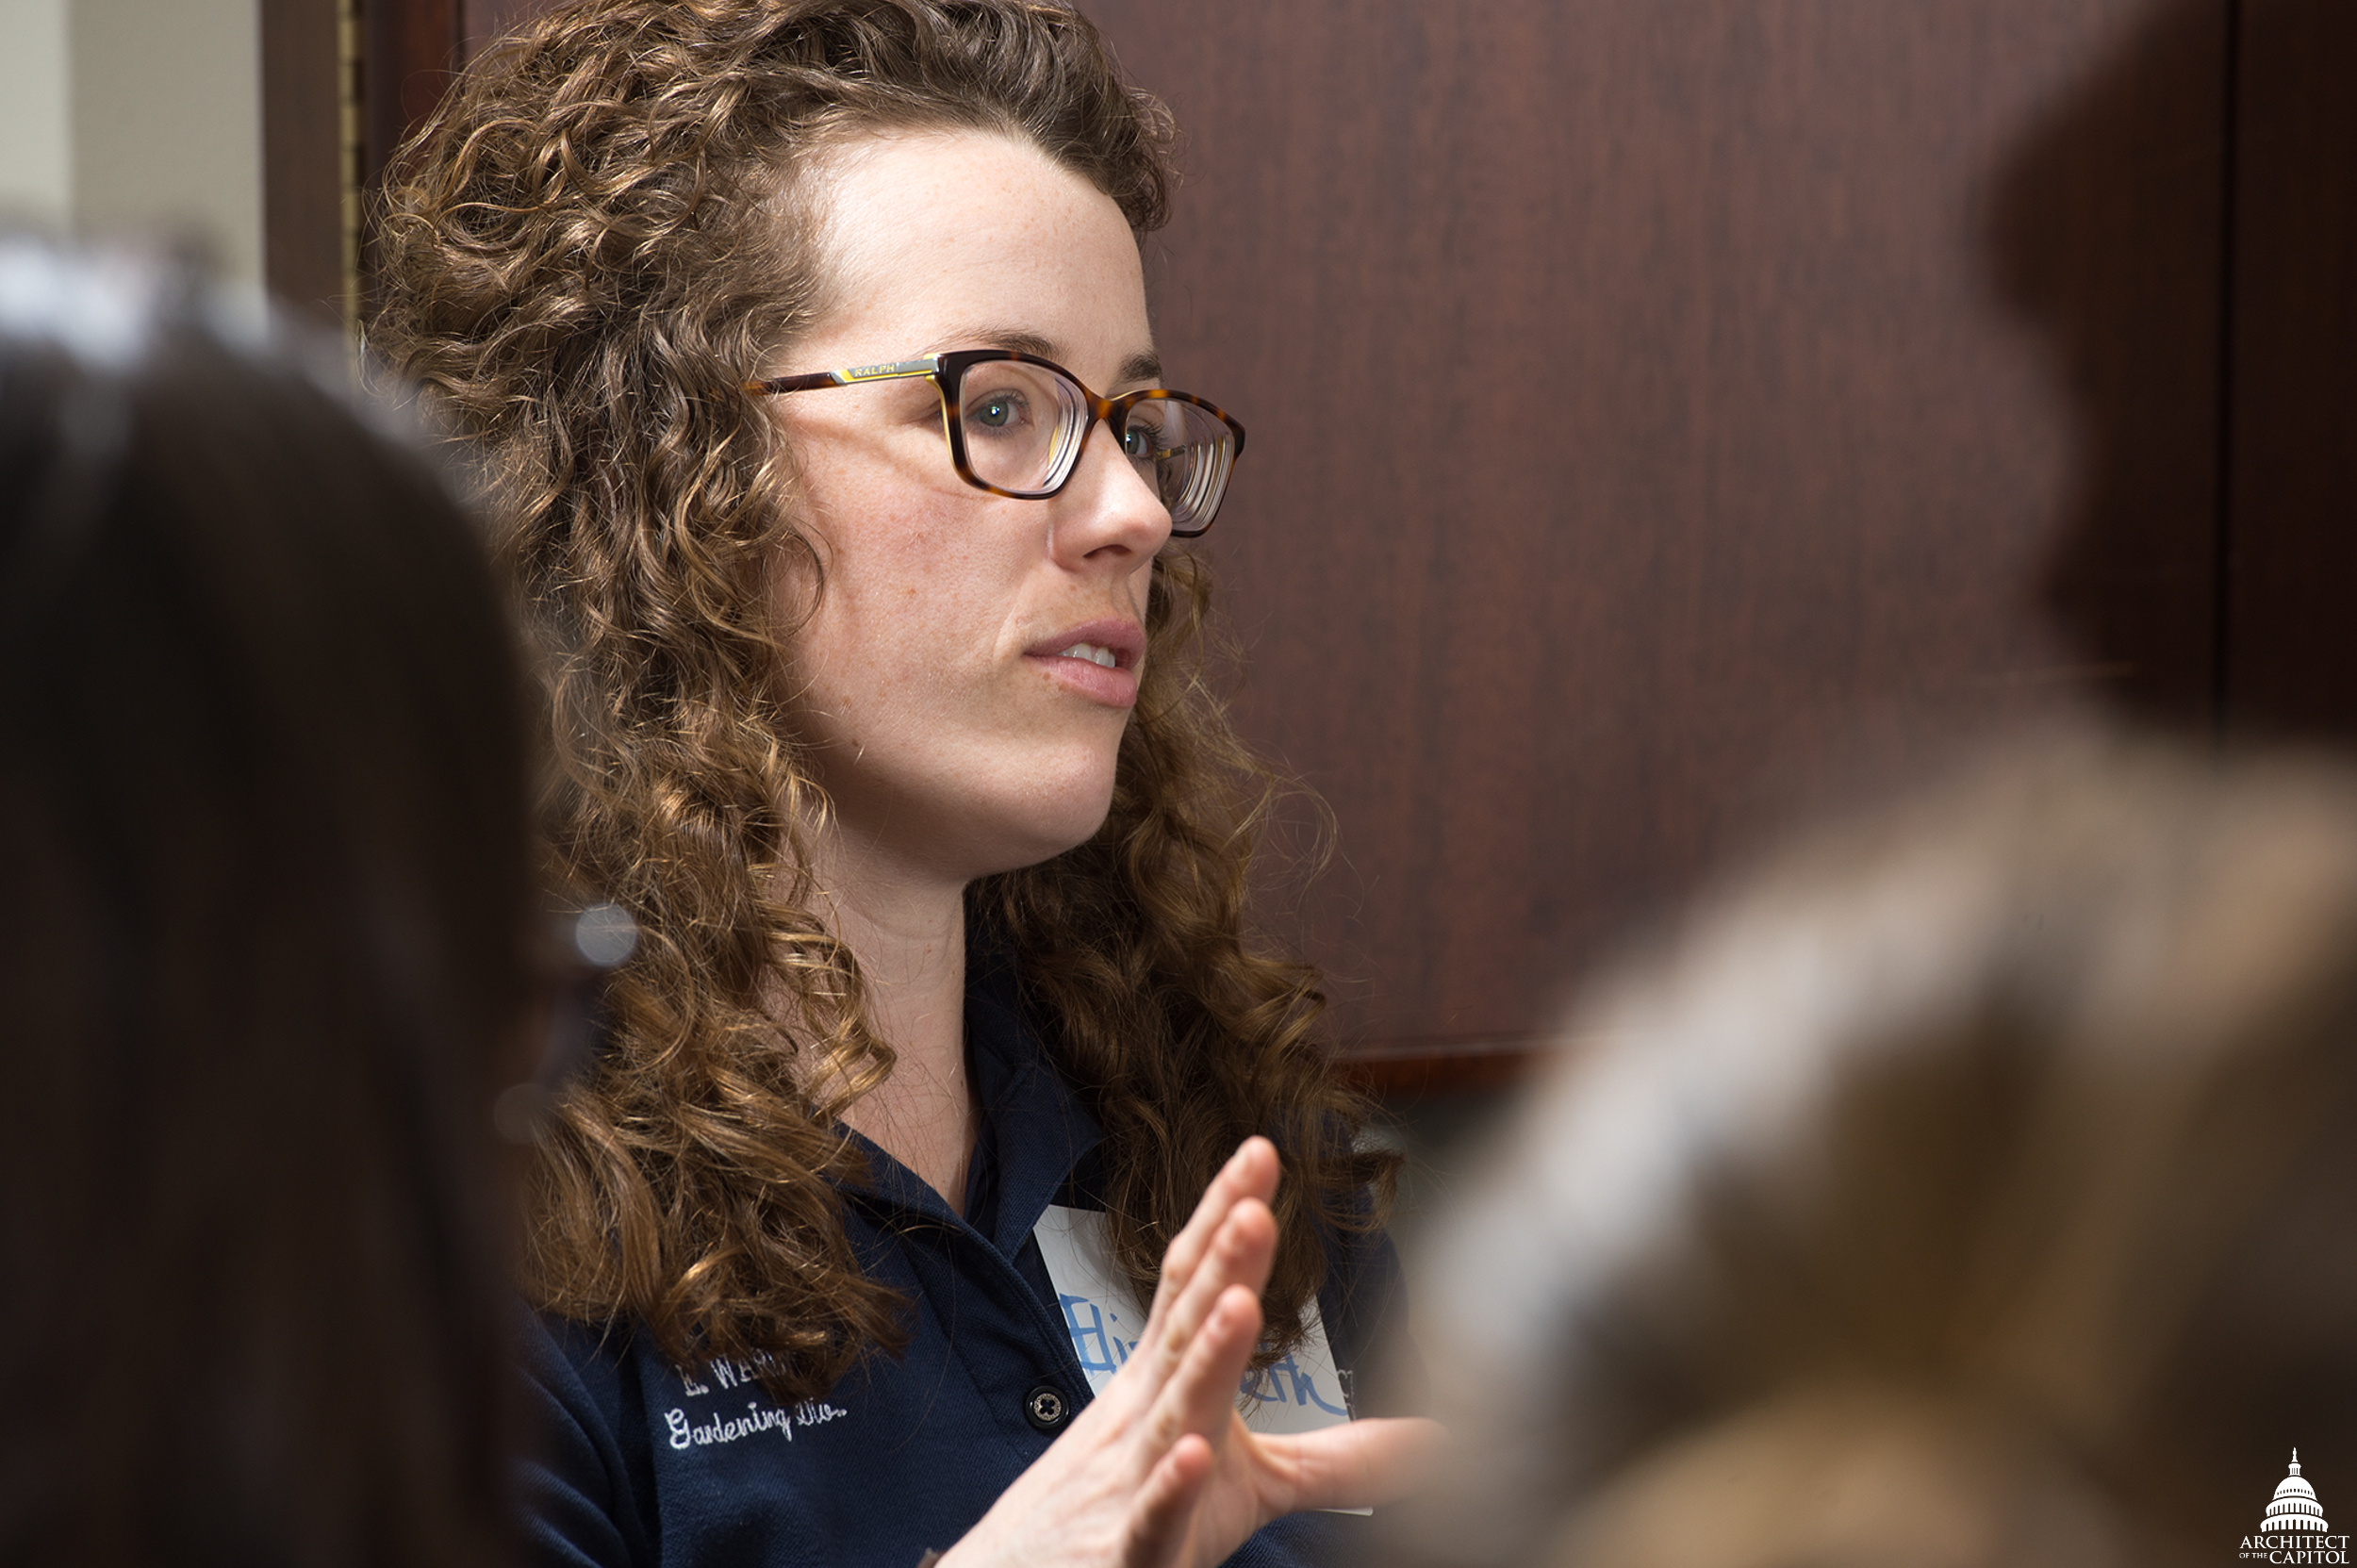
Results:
1138 367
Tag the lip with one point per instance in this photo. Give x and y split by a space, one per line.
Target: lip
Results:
1116 687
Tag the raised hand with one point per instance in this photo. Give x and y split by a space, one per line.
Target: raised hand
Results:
1159 1471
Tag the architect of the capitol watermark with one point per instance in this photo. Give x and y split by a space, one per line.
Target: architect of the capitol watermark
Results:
2294 1529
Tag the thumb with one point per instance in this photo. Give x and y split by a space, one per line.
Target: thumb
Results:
1356 1465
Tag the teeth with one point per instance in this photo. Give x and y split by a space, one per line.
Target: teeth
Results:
1090 651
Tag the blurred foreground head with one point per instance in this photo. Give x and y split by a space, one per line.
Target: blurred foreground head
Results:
1975 1187
262 808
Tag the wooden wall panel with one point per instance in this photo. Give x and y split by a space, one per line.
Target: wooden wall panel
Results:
2292 662
409 49
1652 398
482 20
1649 396
303 173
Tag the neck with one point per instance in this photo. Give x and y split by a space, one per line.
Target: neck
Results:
908 929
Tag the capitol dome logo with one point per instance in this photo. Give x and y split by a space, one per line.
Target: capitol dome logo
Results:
2294 1529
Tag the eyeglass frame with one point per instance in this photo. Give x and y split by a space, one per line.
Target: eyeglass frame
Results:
948 372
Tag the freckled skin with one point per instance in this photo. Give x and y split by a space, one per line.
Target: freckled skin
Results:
947 753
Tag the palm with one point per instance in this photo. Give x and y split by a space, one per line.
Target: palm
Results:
1251 1482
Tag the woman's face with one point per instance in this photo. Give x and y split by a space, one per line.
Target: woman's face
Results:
949 681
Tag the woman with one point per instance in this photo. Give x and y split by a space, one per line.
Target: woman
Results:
264 952
879 704
1972 1185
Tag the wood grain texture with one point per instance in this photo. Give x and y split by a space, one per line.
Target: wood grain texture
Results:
410 48
302 175
1650 397
1659 406
481 21
2292 662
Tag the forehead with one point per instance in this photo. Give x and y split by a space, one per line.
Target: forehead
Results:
950 240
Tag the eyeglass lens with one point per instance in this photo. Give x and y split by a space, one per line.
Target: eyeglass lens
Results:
1023 425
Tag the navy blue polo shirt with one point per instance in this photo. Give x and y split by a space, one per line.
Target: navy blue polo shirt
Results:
641 1464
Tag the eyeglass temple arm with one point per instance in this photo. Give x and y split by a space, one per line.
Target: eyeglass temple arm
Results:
898 370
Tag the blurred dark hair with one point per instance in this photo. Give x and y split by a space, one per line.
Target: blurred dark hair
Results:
262 946
1974 1186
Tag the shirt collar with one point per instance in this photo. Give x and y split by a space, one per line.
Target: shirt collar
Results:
1034 1131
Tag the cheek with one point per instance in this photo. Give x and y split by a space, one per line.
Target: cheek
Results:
1141 588
904 618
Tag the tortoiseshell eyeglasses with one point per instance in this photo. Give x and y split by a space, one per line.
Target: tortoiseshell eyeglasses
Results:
1017 422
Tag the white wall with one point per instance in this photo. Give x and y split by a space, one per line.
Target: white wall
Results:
36 127
136 116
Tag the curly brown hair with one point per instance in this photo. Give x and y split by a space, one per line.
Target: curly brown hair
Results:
581 253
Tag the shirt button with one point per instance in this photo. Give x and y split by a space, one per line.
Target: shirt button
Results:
1043 1408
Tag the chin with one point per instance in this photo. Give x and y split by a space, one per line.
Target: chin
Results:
1045 842
1043 824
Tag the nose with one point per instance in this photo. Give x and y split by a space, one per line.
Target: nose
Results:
1108 510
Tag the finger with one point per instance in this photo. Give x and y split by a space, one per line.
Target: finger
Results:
1200 1396
1240 1254
1250 1172
1357 1465
1165 1506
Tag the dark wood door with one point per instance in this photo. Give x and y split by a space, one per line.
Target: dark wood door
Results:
2291 666
1662 409
1658 406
